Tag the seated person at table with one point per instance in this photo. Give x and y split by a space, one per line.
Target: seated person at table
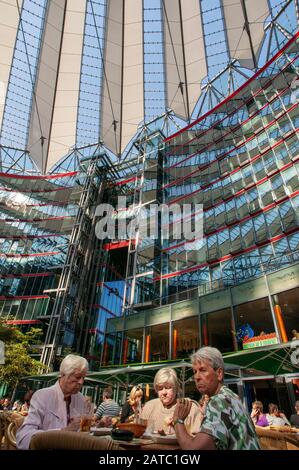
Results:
275 417
108 409
203 403
131 409
26 404
294 419
159 411
257 415
226 424
57 407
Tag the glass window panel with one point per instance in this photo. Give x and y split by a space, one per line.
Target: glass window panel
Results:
185 337
288 216
294 242
240 264
247 173
220 215
278 186
209 220
241 203
281 247
288 302
265 193
253 200
224 166
291 179
217 192
282 252
253 264
235 239
293 147
212 248
132 349
158 342
282 154
227 189
112 348
258 170
237 181
247 233
261 229
269 162
223 242
219 330
228 273
266 254
231 213
273 222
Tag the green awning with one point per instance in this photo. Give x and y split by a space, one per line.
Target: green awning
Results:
126 376
141 373
279 359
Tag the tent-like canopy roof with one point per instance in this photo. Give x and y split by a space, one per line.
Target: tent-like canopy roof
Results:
79 72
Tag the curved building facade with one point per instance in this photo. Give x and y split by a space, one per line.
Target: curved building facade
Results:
138 107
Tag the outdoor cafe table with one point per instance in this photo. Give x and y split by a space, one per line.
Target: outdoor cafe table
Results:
142 444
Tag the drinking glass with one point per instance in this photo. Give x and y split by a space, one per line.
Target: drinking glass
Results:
87 417
85 423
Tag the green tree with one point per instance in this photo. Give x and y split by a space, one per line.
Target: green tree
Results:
18 347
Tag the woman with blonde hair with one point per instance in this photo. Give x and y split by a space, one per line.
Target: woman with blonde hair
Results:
159 411
132 408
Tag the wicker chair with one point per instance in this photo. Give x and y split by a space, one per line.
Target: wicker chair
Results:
2 426
9 423
70 440
277 440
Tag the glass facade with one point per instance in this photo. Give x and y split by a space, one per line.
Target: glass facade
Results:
239 162
138 296
37 215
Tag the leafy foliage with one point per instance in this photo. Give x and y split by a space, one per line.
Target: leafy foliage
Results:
18 347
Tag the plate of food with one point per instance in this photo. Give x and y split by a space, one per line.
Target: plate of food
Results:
100 431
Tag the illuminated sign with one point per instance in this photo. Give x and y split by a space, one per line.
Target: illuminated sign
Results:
257 341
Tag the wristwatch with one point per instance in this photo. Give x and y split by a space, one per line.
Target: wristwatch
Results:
178 421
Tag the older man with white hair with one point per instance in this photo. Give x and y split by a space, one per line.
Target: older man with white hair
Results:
57 407
226 424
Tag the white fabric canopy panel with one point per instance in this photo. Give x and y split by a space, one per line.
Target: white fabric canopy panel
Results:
54 112
185 60
243 46
64 122
45 87
123 84
9 21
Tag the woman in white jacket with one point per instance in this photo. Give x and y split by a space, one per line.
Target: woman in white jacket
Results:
57 407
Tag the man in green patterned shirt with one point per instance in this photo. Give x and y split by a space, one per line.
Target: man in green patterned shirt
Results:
226 424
